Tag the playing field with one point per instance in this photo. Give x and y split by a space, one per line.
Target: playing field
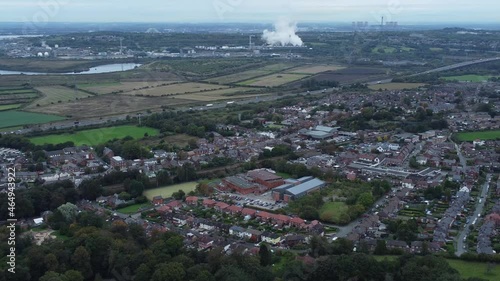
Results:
395 86
468 78
9 106
11 118
167 191
119 87
332 211
485 135
96 136
58 94
273 80
176 89
314 69
475 269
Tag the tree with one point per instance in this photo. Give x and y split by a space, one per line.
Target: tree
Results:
143 273
179 195
73 275
53 276
169 272
81 260
380 248
69 211
366 199
266 257
204 275
51 263
136 188
90 189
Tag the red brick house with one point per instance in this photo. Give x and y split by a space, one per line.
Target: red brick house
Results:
297 222
248 212
233 210
209 203
157 200
192 200
266 178
220 206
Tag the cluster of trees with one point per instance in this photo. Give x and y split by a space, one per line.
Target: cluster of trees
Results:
32 202
96 250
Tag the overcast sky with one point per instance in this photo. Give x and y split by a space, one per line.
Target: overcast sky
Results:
266 11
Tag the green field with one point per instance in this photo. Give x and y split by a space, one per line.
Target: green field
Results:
468 78
467 269
331 211
485 135
395 86
12 118
133 208
9 106
96 136
58 94
273 80
167 191
475 269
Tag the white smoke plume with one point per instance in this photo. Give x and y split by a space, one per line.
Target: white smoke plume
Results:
283 35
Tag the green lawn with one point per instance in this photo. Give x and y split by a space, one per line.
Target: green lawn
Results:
331 211
167 191
12 118
468 78
132 209
485 135
283 175
96 136
466 269
9 106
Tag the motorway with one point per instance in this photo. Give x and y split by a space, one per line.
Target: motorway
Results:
479 209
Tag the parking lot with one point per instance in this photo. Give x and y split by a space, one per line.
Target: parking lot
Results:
263 201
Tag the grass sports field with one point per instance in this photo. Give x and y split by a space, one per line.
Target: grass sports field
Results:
167 191
467 269
96 136
396 86
471 136
58 94
331 211
468 78
273 80
11 118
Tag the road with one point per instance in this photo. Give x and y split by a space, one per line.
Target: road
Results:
479 209
440 69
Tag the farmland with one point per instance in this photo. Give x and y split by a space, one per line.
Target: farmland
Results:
58 94
484 135
11 118
467 78
167 191
249 74
396 86
223 94
119 87
353 75
107 105
273 80
175 89
315 69
17 96
96 136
